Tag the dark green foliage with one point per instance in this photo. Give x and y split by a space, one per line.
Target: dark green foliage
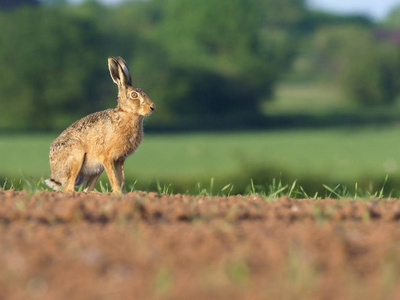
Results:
364 64
194 58
317 19
393 19
211 58
373 76
10 4
197 59
49 62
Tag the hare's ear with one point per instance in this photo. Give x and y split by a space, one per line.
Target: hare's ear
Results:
122 63
121 77
113 66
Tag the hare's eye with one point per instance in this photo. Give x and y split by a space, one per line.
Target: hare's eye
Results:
134 95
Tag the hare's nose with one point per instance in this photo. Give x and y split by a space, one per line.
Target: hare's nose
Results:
152 107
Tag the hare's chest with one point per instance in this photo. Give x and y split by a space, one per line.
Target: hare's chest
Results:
127 144
126 136
132 143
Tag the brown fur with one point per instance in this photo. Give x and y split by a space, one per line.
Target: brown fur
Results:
102 140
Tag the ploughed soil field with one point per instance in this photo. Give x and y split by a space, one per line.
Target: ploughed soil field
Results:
151 246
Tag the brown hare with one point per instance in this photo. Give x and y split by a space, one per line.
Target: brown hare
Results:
102 140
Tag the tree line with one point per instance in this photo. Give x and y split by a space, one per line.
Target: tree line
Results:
199 60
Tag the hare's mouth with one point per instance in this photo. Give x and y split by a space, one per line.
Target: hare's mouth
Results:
145 115
152 108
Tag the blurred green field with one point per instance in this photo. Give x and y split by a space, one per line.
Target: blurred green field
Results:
322 156
307 98
320 99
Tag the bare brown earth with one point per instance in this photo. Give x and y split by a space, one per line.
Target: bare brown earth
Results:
150 246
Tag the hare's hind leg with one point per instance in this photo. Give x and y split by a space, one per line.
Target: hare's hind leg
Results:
75 163
55 185
91 183
119 170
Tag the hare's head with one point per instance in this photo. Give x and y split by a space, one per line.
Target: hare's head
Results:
130 99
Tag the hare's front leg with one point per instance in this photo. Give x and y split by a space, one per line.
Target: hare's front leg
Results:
108 166
119 170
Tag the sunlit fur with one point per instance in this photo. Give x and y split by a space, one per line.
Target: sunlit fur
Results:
102 140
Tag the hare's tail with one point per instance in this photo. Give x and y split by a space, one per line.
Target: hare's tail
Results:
51 183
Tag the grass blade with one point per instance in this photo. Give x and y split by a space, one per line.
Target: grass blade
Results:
275 194
332 191
292 188
381 192
304 192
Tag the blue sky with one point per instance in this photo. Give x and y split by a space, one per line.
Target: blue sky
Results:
377 9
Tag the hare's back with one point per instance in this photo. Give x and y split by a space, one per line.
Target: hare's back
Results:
98 121
87 130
